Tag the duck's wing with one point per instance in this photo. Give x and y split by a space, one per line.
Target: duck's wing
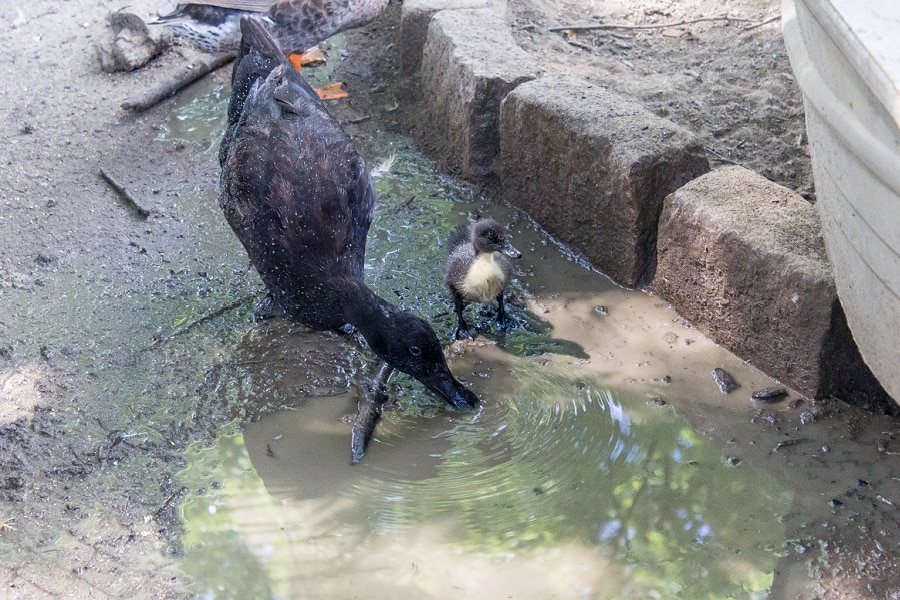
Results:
248 5
295 190
301 24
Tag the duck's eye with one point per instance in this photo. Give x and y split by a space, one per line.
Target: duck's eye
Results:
415 351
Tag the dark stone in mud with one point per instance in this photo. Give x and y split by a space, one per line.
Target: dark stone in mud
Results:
770 394
742 258
593 169
724 380
470 62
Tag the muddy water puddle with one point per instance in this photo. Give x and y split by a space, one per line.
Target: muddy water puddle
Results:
604 461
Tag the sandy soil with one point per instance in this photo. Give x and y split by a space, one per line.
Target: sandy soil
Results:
729 81
85 508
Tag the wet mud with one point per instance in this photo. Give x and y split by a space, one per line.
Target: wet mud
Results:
155 441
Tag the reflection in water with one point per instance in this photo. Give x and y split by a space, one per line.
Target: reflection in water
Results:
558 467
562 485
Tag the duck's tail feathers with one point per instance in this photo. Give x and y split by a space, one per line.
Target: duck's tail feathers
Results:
259 55
255 38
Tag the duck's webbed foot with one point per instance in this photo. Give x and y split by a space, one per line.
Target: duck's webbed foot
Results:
372 396
267 308
504 321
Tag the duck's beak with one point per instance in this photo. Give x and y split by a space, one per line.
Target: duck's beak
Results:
445 385
511 252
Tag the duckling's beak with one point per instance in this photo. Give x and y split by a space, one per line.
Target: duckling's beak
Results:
445 385
511 252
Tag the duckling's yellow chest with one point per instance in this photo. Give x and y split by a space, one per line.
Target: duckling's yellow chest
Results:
484 280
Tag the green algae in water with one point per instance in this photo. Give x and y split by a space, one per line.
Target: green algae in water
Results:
200 117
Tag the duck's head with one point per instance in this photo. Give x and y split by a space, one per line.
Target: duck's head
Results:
409 344
490 236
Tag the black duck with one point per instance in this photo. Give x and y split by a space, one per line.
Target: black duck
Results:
300 199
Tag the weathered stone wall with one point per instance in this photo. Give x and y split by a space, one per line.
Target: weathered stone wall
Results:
744 260
469 63
415 17
593 168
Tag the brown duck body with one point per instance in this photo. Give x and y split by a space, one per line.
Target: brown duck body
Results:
300 199
297 25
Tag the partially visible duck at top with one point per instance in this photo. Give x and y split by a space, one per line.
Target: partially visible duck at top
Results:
297 25
478 269
300 199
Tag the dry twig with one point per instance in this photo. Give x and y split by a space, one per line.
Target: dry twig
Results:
182 78
761 23
125 195
657 26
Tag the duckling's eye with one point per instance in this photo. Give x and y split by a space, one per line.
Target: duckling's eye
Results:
415 351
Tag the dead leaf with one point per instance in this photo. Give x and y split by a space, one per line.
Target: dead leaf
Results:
332 91
313 55
296 61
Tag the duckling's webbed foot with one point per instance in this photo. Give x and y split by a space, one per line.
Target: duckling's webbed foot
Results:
462 329
504 321
268 308
372 396
462 332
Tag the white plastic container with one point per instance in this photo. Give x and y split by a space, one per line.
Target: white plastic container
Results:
846 57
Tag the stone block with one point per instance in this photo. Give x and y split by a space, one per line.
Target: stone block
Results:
469 63
415 17
742 258
593 169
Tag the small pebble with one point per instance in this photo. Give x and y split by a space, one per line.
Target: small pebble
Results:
769 394
724 380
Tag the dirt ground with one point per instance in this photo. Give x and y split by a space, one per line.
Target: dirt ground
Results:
729 81
86 505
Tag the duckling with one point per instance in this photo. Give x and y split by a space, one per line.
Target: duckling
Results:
300 198
297 25
478 268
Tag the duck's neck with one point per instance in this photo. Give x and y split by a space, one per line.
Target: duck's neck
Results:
370 314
